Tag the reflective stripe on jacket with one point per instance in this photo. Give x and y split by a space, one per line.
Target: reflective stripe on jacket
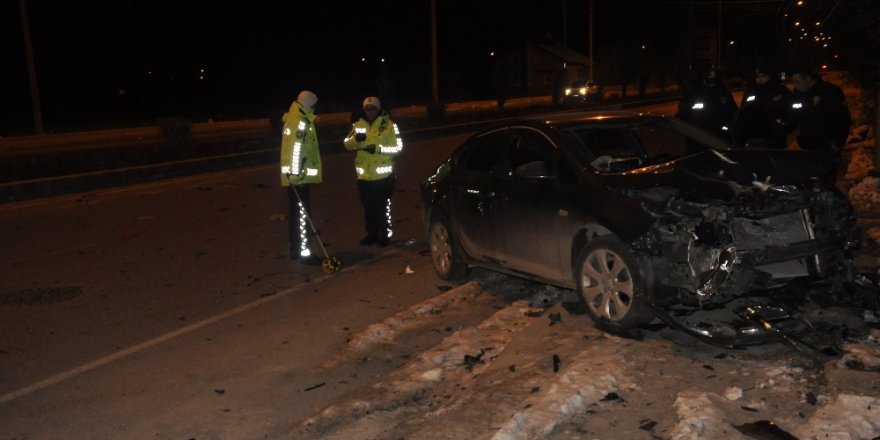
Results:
384 134
300 156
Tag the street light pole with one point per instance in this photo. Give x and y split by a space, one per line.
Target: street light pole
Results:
32 70
591 39
435 95
719 35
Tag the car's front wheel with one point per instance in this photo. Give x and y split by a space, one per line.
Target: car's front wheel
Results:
610 285
445 254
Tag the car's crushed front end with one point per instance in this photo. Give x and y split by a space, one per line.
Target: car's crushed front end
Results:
764 238
725 233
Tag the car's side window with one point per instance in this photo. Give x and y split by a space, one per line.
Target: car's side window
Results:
531 155
661 143
608 142
613 149
484 153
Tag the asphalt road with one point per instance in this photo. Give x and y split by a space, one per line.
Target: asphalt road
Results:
170 309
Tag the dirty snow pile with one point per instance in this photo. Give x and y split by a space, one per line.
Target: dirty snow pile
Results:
702 416
865 191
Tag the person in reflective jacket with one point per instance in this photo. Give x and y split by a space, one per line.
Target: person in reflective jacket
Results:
708 105
377 141
760 119
300 168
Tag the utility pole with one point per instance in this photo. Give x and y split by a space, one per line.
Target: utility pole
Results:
435 95
32 71
564 24
719 35
591 39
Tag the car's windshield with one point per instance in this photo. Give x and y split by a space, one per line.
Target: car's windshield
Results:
624 145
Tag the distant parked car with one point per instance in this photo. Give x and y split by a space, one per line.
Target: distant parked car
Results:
582 91
637 213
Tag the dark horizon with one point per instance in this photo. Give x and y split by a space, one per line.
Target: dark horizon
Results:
112 63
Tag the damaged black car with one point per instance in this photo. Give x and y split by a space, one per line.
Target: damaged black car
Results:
643 216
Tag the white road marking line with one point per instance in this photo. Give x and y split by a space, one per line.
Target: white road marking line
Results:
8 397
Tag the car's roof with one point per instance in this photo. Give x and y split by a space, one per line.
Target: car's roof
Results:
575 118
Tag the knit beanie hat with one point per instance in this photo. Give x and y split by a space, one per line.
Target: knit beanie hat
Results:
371 100
307 98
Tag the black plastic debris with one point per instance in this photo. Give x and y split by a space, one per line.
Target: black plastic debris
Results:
810 398
313 387
610 396
471 361
555 318
647 424
764 430
556 362
853 364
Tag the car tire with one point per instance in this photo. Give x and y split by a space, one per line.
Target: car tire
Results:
445 253
611 286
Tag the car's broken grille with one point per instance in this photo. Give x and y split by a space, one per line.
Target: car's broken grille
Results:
774 231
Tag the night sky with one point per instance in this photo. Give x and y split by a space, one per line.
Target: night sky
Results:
115 63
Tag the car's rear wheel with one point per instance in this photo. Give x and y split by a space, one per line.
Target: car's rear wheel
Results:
445 253
610 285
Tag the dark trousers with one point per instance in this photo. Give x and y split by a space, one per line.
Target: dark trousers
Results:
298 226
376 199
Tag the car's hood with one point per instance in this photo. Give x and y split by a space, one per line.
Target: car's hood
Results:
712 172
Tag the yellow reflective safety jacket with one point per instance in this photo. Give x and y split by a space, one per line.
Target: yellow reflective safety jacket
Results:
382 133
300 157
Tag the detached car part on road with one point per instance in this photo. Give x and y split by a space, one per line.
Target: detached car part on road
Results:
643 216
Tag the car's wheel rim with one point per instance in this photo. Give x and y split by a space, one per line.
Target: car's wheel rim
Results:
441 250
607 285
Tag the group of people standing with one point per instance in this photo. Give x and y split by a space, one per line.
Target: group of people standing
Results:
769 111
376 139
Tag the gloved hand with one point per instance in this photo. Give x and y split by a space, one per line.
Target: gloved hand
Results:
370 149
293 179
360 137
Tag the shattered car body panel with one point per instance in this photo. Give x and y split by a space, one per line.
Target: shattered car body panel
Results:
700 223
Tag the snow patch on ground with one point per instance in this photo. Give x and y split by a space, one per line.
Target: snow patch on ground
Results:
444 362
865 354
700 418
579 386
386 331
848 417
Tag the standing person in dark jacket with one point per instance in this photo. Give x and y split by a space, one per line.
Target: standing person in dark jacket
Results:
819 109
763 112
709 105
